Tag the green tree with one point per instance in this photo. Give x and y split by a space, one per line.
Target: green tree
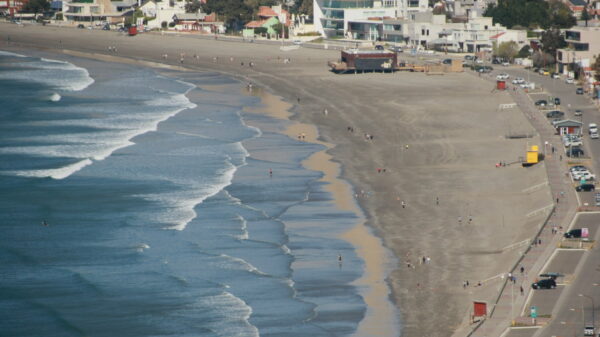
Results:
508 50
596 68
234 11
552 40
192 6
36 6
304 7
561 15
531 13
524 52
585 16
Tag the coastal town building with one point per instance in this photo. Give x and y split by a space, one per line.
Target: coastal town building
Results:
583 45
11 7
268 18
360 19
96 10
199 22
164 12
430 31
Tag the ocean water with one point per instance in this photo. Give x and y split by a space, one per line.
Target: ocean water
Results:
159 221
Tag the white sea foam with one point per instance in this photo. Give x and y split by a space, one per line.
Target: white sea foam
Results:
63 75
7 53
233 315
244 228
54 97
141 247
183 204
59 173
237 263
100 145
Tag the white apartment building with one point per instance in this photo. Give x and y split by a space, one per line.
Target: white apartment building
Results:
425 30
360 19
95 10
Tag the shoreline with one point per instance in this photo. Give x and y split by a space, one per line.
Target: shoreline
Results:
449 134
381 316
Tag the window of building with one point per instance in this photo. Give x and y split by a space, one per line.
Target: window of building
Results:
572 35
581 46
413 3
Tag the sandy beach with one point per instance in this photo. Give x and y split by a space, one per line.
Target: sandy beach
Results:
426 180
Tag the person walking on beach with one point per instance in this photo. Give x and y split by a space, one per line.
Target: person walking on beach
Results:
403 204
437 201
460 220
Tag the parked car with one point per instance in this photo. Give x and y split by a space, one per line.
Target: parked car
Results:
80 26
578 168
579 91
379 47
505 64
584 188
555 114
573 233
299 42
592 127
594 135
556 101
541 102
578 113
546 283
555 75
502 76
574 152
106 27
447 61
518 80
570 80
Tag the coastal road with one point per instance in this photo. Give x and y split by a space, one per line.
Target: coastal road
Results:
582 276
569 310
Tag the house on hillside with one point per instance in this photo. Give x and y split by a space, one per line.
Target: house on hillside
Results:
268 18
576 6
199 22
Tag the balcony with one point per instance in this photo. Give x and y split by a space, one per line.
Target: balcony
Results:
348 4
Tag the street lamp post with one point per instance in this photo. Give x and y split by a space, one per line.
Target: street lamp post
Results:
593 310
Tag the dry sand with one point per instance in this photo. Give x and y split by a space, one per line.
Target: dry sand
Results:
455 135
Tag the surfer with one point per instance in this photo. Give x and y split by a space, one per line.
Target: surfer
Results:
44 223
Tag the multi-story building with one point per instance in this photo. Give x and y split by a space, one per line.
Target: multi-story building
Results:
583 45
11 7
95 10
360 19
429 31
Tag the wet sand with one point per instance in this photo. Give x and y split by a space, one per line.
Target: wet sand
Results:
437 137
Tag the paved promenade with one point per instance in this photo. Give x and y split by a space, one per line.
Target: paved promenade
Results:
510 301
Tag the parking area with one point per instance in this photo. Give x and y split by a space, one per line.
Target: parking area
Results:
521 332
564 262
545 299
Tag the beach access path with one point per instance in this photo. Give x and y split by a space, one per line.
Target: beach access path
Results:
420 151
510 302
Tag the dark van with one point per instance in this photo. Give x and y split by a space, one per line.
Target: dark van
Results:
547 283
573 233
585 188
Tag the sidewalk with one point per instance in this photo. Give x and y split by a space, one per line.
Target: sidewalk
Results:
510 304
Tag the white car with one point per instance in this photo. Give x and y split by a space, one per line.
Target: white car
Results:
527 85
502 77
518 80
584 175
297 42
569 80
505 64
594 135
592 128
555 75
573 143
480 61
